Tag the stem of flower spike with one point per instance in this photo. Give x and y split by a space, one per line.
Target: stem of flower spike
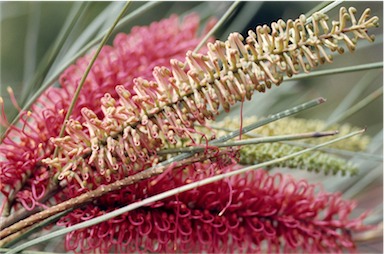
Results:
252 141
145 174
167 194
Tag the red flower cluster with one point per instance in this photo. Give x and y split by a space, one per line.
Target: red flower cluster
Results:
253 213
27 143
132 55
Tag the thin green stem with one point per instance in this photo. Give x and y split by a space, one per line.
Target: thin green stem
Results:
275 117
362 155
10 240
355 68
76 12
169 193
318 7
251 141
217 25
4 250
80 86
350 98
31 39
360 105
307 145
322 7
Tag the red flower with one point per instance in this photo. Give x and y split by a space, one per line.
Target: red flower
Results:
132 55
253 213
27 143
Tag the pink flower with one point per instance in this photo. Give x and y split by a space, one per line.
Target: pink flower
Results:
132 55
27 143
251 213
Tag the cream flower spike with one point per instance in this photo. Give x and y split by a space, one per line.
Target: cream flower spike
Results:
134 127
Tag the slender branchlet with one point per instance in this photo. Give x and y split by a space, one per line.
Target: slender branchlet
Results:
318 161
292 125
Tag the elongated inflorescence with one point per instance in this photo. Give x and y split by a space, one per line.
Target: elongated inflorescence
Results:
161 112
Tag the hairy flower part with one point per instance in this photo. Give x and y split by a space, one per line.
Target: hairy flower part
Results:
251 213
26 144
134 54
192 91
316 161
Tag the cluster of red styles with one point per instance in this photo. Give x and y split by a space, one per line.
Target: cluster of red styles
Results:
254 212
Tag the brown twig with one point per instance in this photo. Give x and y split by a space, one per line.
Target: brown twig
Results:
84 198
94 194
24 213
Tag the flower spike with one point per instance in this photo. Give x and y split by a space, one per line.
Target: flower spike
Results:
231 71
